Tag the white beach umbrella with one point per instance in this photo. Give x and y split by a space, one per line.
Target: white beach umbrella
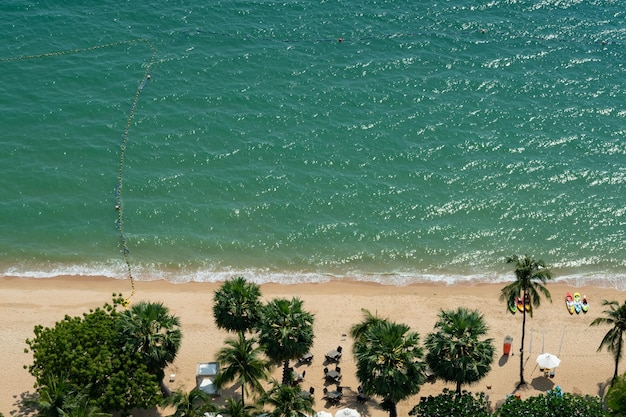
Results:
347 412
322 414
548 360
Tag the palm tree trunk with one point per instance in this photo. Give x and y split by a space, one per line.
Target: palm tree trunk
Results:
618 354
521 349
286 373
165 390
393 410
243 388
458 388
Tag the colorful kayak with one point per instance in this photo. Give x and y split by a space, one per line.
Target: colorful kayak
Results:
569 303
585 304
527 303
512 308
578 304
520 304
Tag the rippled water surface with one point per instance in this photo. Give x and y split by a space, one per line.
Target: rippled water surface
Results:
289 141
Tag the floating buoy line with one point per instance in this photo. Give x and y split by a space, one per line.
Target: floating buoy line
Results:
120 179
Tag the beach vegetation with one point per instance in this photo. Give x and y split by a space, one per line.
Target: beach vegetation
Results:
89 356
243 361
150 330
457 351
194 403
236 408
530 278
389 361
285 332
613 340
554 403
452 404
57 398
237 306
287 401
616 397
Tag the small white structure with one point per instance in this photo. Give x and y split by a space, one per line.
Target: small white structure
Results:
205 377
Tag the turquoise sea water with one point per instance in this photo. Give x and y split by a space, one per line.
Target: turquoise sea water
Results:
390 141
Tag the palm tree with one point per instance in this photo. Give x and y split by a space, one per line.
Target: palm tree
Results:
455 351
287 401
614 339
55 398
237 305
286 332
242 361
236 408
389 362
150 330
193 404
369 319
530 277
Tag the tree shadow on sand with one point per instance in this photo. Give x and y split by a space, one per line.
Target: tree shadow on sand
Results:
21 408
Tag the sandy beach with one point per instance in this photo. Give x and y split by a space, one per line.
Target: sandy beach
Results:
336 305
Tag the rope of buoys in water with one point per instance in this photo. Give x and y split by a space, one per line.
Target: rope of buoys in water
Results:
120 178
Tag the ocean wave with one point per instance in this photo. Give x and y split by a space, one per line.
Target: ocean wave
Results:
118 270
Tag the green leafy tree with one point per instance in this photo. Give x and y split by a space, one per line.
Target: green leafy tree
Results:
242 361
287 401
456 352
236 408
389 361
237 306
451 404
286 332
616 397
148 329
94 361
613 340
195 403
552 404
530 277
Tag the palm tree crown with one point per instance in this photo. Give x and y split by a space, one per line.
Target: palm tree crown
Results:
286 332
455 351
530 277
613 340
195 403
241 360
150 330
388 358
287 401
237 305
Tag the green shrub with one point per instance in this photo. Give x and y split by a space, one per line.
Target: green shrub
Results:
449 404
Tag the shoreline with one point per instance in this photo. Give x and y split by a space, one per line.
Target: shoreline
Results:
336 305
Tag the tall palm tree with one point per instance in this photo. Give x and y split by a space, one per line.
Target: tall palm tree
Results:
237 305
389 362
286 332
530 277
150 330
455 351
195 403
241 360
236 408
614 339
287 401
